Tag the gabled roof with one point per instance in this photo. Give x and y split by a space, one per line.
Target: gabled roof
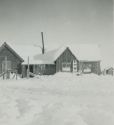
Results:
10 49
50 57
26 50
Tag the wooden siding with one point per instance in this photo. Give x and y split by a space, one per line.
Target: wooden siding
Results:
39 69
67 57
50 69
15 61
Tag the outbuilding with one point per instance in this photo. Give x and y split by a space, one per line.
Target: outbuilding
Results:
109 71
9 59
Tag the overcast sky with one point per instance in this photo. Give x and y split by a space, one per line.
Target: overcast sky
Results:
62 21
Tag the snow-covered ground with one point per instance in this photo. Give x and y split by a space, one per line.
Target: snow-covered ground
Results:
62 99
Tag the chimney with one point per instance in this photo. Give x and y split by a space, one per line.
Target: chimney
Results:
43 49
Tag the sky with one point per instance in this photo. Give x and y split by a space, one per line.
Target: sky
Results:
62 22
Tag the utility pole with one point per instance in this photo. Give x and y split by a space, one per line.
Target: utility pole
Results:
43 49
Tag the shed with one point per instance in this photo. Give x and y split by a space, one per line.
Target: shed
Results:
14 60
108 71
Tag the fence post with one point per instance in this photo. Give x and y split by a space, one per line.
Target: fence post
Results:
16 74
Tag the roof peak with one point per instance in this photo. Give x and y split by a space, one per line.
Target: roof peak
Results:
11 49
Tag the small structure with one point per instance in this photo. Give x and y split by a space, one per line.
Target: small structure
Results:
109 71
9 60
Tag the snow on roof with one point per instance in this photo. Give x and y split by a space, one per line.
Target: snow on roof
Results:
50 56
83 52
32 61
25 50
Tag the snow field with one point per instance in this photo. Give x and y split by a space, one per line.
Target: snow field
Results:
62 99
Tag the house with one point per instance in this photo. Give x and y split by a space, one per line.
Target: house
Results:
58 60
78 58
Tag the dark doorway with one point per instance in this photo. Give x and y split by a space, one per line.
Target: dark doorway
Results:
31 68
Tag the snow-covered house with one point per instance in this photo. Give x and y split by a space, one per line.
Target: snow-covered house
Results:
78 58
51 62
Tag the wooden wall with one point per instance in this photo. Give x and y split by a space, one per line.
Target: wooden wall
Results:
40 69
44 69
15 61
66 56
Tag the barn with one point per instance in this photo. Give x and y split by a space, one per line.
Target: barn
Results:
76 58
